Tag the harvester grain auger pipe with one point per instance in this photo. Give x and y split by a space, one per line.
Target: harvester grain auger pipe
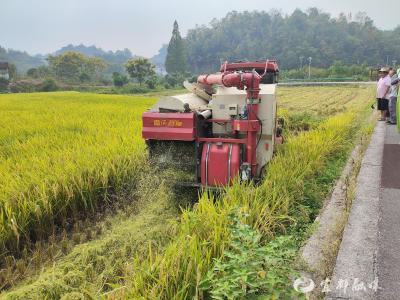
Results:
248 80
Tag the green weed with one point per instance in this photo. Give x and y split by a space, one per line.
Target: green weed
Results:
248 268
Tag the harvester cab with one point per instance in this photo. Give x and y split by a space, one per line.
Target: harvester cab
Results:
224 129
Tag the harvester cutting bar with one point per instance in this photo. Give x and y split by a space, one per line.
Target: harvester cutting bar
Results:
223 140
218 121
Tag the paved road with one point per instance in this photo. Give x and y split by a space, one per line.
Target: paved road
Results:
355 270
322 83
368 262
388 258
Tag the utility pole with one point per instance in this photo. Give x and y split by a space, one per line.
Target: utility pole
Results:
387 60
301 62
309 67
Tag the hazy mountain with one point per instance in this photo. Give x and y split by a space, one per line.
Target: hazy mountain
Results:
114 59
22 60
159 59
119 56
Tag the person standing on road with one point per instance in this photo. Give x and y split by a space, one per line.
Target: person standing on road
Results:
393 96
382 92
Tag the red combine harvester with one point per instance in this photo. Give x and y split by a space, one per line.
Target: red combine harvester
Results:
224 129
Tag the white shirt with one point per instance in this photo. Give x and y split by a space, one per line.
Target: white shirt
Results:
382 86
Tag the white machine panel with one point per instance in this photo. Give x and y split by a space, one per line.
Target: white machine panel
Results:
177 102
222 103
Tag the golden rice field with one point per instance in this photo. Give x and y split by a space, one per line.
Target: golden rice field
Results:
64 153
61 153
325 101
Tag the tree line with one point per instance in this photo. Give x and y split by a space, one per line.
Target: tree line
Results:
74 70
291 39
314 41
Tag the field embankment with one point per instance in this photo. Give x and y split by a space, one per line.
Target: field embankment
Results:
321 125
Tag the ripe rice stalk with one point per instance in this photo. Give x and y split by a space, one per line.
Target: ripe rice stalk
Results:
272 207
61 154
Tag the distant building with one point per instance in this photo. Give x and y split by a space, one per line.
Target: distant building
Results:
4 70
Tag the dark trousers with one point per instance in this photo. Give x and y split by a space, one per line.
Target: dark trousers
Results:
392 109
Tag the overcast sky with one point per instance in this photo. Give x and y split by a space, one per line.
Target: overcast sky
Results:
43 26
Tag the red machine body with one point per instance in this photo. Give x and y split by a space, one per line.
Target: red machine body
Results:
169 126
220 163
219 159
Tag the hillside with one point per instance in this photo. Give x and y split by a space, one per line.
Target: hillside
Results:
258 35
22 60
114 59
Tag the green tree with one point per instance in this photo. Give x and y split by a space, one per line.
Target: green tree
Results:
175 79
68 66
32 72
176 55
12 71
338 68
140 69
39 72
311 33
152 82
48 85
4 85
94 68
44 71
119 79
76 67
